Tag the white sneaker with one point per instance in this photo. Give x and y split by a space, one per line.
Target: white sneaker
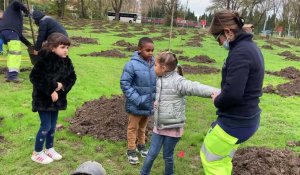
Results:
41 157
53 154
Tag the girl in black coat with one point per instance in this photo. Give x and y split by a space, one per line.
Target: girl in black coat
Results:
52 77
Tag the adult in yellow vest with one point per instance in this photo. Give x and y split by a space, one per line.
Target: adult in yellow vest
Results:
11 27
237 103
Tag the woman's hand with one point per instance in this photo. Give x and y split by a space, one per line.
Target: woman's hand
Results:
59 86
54 96
214 95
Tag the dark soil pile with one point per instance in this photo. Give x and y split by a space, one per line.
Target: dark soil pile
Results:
158 38
287 89
289 56
279 44
131 48
182 32
122 43
267 47
127 35
293 143
187 69
103 118
3 70
289 72
264 161
99 31
198 59
194 43
82 40
142 33
107 53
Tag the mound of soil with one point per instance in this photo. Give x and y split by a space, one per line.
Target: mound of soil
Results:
103 118
107 53
3 70
99 31
289 56
198 59
289 89
187 69
286 89
293 143
289 72
167 35
286 54
194 43
264 161
82 40
279 44
127 35
182 32
158 38
267 47
122 43
142 33
131 48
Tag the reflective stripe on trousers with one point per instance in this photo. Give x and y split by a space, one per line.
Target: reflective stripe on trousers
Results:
217 152
14 55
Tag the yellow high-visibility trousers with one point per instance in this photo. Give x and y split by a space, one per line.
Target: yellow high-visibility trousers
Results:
217 152
14 55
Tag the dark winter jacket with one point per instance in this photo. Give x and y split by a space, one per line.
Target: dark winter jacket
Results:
13 20
242 80
47 25
138 83
44 77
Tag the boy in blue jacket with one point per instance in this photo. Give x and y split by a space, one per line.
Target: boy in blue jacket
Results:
138 83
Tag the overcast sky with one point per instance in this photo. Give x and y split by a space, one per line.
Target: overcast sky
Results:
198 6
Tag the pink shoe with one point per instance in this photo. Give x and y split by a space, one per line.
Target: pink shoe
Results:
41 157
53 154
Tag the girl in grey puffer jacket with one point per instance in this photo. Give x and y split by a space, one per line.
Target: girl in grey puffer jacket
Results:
169 109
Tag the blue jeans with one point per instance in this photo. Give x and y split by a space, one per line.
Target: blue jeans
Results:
157 141
46 131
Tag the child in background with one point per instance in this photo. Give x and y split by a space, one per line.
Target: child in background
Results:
169 109
52 77
138 83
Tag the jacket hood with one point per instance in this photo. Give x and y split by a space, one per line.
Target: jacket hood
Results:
37 16
136 56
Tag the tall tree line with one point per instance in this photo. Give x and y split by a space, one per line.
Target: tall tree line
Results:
265 14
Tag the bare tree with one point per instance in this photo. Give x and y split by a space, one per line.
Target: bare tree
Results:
117 5
61 5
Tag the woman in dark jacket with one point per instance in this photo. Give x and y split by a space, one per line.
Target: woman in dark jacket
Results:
238 110
52 77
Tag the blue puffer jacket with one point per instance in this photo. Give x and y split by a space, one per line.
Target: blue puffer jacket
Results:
138 83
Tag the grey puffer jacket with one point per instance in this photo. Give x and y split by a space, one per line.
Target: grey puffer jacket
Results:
169 106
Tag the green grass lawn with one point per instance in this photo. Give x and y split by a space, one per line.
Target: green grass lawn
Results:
99 76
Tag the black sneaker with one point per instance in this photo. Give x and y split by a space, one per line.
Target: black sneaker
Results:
142 150
132 157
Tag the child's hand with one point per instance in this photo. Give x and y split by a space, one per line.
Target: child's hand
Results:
214 95
59 86
54 96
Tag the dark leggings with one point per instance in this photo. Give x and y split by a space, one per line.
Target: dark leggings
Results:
46 131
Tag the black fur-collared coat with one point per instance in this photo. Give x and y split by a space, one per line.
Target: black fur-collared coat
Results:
44 76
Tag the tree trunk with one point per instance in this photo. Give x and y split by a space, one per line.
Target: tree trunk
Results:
228 4
61 8
117 5
82 9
